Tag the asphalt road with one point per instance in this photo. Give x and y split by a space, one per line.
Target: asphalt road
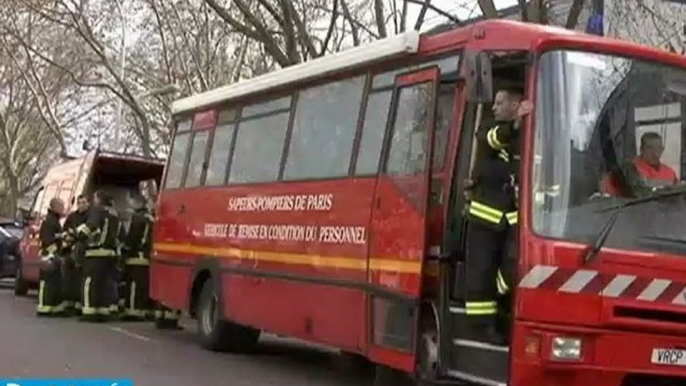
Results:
65 348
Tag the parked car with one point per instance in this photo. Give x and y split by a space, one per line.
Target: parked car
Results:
10 234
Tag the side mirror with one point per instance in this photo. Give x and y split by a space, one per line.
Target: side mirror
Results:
479 77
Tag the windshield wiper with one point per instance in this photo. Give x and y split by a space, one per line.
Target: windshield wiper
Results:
618 209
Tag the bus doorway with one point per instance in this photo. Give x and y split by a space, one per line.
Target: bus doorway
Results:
469 356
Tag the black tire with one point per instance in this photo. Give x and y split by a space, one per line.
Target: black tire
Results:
21 288
217 334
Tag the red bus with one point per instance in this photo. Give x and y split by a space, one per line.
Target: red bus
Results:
325 201
121 174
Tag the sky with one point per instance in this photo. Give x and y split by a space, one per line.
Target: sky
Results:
463 9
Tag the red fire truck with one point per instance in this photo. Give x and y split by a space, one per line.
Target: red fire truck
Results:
326 201
119 173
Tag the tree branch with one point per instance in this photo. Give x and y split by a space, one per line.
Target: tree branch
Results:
488 9
380 18
332 26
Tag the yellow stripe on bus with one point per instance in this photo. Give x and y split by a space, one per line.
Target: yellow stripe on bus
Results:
376 264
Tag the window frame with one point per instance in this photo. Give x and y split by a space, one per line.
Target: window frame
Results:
408 68
204 165
392 112
175 134
357 129
405 66
229 156
241 119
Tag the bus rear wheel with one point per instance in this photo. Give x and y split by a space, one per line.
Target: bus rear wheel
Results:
217 334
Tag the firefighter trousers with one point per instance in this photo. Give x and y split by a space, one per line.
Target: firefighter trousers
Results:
71 284
491 263
99 297
137 303
50 290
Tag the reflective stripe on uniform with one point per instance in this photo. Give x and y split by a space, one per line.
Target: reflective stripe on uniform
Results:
89 311
172 315
52 248
86 295
481 308
41 294
132 296
485 212
83 228
492 138
136 313
169 315
503 288
100 252
138 261
512 218
105 230
504 155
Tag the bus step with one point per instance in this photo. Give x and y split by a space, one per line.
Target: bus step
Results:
473 379
442 382
479 362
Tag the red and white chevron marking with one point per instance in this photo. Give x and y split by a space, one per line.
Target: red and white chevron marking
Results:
592 282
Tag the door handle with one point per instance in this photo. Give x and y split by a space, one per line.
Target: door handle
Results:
378 203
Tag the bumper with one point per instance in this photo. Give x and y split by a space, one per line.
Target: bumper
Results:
608 358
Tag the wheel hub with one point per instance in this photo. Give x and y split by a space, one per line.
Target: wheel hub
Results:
429 356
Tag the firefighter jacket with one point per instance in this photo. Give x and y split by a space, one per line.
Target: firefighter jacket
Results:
137 243
495 191
50 234
71 224
100 231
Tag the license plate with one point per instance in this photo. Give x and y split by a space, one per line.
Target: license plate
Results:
668 356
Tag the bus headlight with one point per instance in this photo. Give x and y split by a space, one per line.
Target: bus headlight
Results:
566 349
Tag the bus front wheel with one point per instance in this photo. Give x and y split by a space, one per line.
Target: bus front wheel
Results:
216 333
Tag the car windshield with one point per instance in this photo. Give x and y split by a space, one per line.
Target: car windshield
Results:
11 230
609 129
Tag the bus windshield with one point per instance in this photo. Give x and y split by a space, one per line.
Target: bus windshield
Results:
609 129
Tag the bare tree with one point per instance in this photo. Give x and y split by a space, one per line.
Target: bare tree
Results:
25 140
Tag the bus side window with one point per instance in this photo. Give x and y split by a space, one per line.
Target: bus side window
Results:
177 158
177 161
196 161
374 125
324 130
222 144
260 142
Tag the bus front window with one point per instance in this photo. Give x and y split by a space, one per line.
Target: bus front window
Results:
609 129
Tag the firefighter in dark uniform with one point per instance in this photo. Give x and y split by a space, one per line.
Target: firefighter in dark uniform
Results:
492 214
49 287
72 271
100 233
137 244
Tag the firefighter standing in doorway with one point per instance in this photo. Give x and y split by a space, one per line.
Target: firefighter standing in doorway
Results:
100 232
136 249
72 272
492 214
49 287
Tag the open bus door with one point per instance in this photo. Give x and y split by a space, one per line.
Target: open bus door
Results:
399 220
